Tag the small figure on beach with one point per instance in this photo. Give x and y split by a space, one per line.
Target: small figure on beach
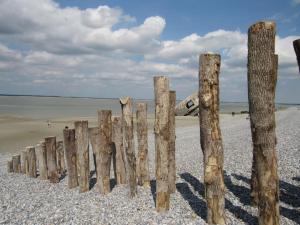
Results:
49 123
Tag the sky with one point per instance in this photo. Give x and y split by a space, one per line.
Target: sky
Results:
113 48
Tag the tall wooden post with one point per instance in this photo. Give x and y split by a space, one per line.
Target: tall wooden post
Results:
262 77
41 155
82 145
172 164
211 139
142 137
162 139
296 44
104 152
95 142
71 157
31 161
10 168
60 157
24 161
117 138
127 118
50 143
16 161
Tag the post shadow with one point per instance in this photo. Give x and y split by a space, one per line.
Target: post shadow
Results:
153 190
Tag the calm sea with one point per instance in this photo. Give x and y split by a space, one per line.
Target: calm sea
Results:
61 107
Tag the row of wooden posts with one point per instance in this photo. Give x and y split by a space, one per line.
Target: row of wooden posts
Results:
262 77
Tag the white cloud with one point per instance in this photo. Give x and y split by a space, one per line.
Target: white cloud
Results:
296 2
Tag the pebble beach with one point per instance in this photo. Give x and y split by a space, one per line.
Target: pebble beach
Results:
25 200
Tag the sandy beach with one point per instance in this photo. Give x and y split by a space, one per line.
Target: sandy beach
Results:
26 200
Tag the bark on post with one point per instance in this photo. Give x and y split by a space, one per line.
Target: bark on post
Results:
71 157
60 157
172 162
82 145
24 163
296 44
211 139
117 138
127 120
104 152
50 143
162 139
41 156
10 168
16 161
31 161
94 139
142 137
262 77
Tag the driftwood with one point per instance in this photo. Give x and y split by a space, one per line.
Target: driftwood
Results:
94 139
71 157
162 139
16 161
41 156
142 137
127 120
118 150
211 139
31 161
104 152
262 77
172 164
50 143
82 145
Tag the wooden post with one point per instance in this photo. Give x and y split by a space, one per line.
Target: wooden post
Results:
50 143
211 138
10 168
262 77
41 155
162 139
172 162
104 152
82 144
31 161
60 157
117 138
16 161
127 120
94 139
296 44
142 137
24 162
71 157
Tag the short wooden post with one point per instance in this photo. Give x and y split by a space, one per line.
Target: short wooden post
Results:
142 137
60 157
211 139
172 163
41 156
296 44
16 160
10 168
117 138
105 151
24 161
127 120
31 161
82 144
94 139
50 143
262 78
162 139
71 157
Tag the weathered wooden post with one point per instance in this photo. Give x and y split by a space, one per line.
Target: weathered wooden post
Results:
117 138
104 152
211 139
82 145
162 142
31 161
262 77
127 120
60 157
142 137
50 143
10 168
41 155
172 162
71 157
296 44
16 161
94 139
24 163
